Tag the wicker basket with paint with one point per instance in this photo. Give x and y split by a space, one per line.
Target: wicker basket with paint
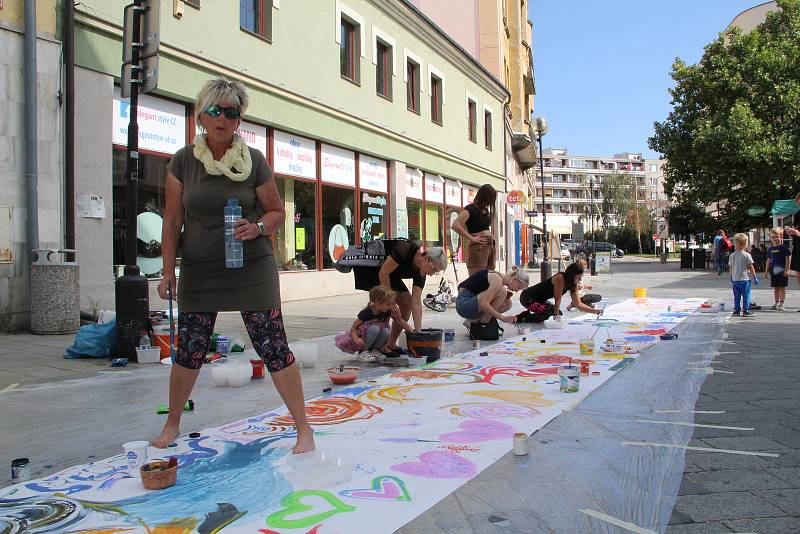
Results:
159 475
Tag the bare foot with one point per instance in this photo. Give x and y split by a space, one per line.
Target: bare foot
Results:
305 442
167 436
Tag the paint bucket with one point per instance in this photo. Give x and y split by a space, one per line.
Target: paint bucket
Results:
449 335
570 378
305 352
162 342
258 368
223 345
640 292
584 368
427 342
136 456
520 444
586 347
20 470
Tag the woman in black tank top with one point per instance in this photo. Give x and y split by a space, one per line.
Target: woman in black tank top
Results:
535 298
484 296
473 224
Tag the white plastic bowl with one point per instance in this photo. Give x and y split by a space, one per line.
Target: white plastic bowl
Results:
555 325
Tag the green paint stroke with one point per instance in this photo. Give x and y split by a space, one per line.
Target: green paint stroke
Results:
292 505
622 364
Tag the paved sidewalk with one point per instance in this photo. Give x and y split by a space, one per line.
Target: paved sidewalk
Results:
746 493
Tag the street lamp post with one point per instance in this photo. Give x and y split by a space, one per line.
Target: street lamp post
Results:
541 129
592 262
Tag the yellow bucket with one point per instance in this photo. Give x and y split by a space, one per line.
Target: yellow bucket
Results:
640 292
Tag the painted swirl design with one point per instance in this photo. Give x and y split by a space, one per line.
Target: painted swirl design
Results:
333 411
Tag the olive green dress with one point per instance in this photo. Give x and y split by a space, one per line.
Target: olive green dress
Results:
205 284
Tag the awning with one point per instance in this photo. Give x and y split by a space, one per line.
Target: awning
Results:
781 208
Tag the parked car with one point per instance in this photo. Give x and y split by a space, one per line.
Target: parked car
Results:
602 246
565 255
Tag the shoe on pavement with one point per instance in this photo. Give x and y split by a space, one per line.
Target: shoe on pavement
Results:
747 314
774 307
367 357
781 308
736 313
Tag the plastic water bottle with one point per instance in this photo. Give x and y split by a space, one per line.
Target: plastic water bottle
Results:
234 249
144 341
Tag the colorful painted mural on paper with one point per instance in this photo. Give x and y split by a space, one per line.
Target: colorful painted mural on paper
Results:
390 449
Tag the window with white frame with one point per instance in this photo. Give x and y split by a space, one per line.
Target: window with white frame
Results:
349 35
472 120
383 57
487 128
413 78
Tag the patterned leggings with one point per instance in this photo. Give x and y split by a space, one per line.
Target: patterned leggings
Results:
265 329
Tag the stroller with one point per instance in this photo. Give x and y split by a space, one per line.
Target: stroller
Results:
446 295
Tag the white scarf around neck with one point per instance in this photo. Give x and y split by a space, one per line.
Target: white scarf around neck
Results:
236 163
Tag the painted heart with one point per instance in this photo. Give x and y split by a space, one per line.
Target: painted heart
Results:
438 465
293 506
384 488
478 431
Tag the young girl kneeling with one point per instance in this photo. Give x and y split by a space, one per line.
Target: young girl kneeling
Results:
370 330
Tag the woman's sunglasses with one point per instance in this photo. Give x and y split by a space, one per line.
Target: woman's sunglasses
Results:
216 111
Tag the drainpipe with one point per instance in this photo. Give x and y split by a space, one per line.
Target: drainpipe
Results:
31 167
69 126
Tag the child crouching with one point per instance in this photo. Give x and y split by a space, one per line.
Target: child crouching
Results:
370 330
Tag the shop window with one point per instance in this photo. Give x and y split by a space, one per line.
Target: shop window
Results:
412 85
296 238
383 69
487 129
436 99
415 218
433 225
255 16
472 117
149 209
338 223
374 210
453 242
349 47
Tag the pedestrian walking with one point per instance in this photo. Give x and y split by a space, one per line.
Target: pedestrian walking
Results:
777 268
722 248
741 267
201 177
474 224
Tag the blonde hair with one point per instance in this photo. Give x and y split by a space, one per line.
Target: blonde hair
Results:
437 257
381 294
778 232
741 240
519 274
220 91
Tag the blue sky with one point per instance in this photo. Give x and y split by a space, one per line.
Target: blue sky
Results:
602 67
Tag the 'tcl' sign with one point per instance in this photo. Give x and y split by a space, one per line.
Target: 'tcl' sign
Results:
516 197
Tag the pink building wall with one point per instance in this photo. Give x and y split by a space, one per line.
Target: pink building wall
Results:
458 18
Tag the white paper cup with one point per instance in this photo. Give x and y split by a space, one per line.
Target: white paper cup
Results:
136 456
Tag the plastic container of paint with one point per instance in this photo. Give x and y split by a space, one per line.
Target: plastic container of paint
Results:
520 447
148 355
306 353
570 378
320 468
586 347
231 374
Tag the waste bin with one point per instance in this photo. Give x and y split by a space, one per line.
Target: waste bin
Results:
55 293
686 259
699 258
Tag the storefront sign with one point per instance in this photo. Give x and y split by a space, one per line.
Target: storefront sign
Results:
603 262
413 183
254 135
434 188
294 155
338 166
452 193
372 174
516 197
469 193
162 124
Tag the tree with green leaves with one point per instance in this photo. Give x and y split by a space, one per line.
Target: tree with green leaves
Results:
619 207
733 136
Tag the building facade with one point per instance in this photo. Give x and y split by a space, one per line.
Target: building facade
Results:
375 122
572 186
504 37
14 249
